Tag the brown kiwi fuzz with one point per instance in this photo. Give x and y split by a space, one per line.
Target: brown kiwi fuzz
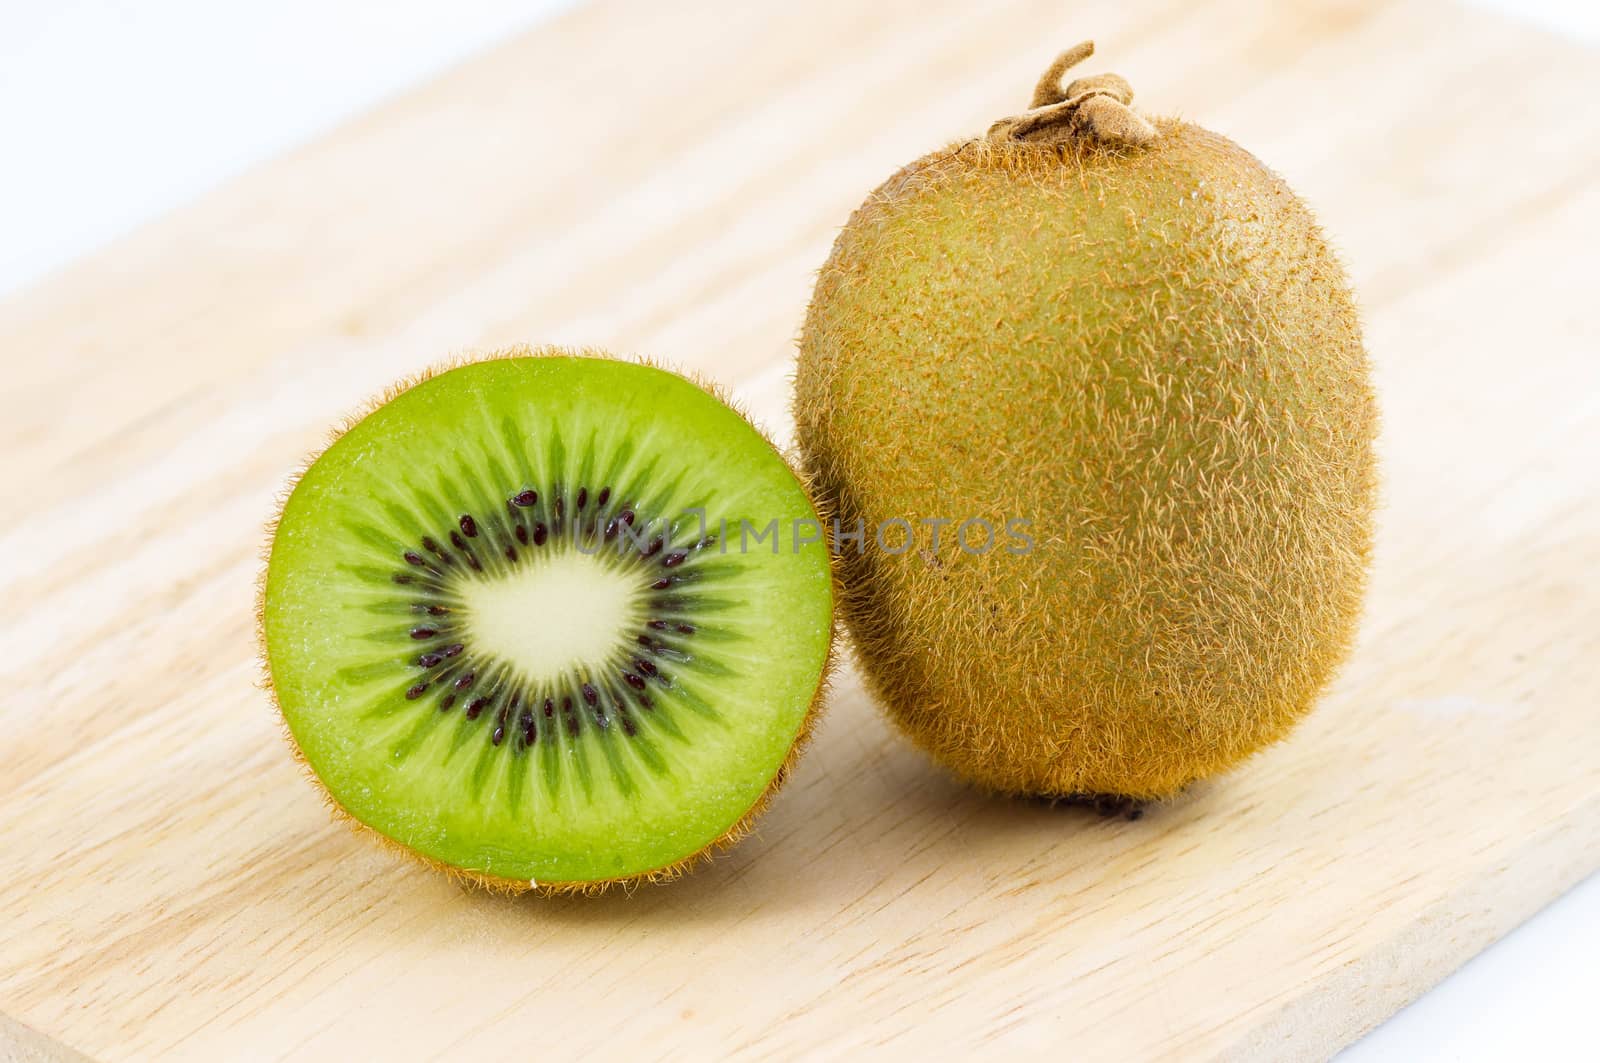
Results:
1130 337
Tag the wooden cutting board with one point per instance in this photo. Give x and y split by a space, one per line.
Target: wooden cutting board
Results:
664 179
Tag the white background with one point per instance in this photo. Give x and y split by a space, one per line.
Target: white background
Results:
114 111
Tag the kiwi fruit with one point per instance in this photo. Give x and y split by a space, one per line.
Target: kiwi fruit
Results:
548 619
1107 371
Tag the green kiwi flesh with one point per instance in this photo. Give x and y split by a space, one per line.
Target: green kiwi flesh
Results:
512 624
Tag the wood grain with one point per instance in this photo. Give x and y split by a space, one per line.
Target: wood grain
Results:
663 179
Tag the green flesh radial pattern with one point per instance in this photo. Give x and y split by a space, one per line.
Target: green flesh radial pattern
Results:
548 619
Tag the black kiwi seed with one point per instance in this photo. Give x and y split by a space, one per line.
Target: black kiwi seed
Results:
452 670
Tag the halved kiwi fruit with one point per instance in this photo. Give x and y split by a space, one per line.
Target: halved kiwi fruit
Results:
549 619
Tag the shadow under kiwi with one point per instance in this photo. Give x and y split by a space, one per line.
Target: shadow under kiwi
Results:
866 817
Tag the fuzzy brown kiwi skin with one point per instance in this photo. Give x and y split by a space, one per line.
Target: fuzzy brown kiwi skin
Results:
891 606
742 827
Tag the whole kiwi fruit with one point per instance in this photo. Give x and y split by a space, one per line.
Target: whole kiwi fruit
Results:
516 625
1106 372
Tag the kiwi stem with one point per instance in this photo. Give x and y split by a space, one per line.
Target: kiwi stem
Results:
1097 108
1049 90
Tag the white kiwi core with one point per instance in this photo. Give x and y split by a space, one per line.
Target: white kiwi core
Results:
567 612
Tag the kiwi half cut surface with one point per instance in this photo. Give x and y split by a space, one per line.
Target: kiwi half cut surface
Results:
549 619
